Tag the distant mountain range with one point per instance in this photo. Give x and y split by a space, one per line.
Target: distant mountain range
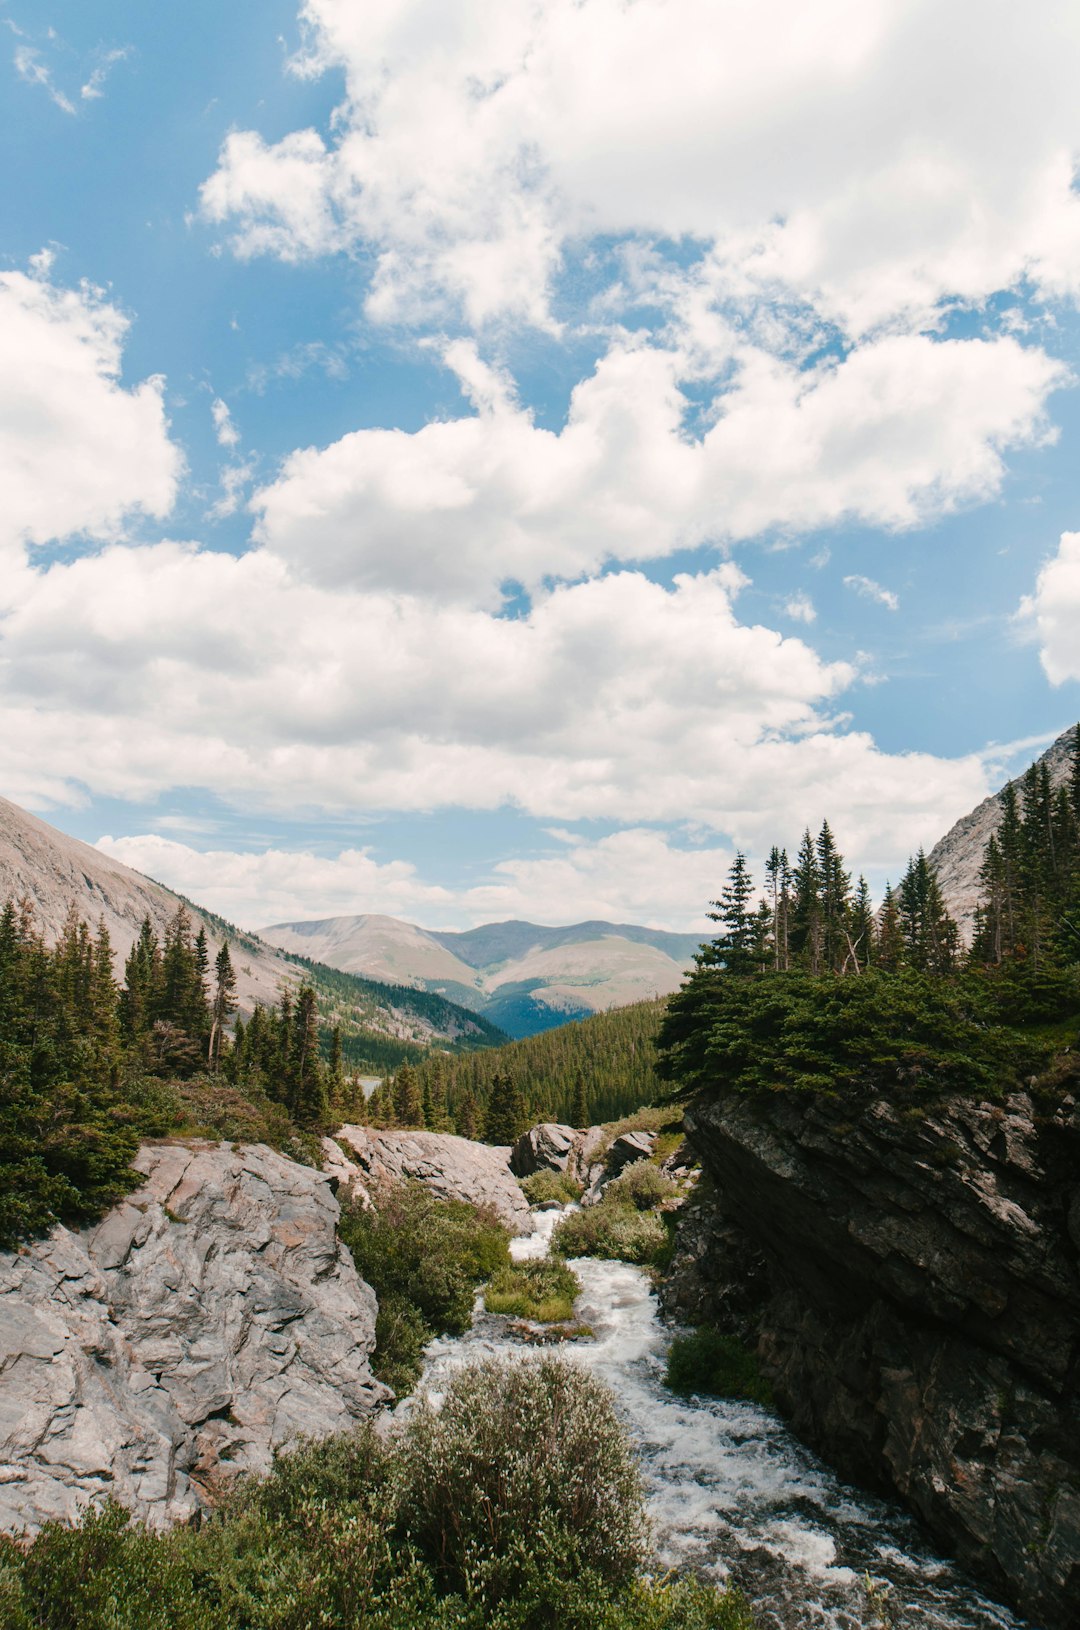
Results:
381 1022
521 976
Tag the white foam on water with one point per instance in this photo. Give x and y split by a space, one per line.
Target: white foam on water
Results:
730 1492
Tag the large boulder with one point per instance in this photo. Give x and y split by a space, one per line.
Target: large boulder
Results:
455 1168
546 1147
626 1148
208 1319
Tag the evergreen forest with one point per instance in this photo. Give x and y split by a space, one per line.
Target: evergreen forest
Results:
806 986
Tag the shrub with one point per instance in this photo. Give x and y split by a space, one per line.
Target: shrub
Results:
525 1471
615 1231
642 1185
550 1188
707 1361
516 1508
424 1257
543 1290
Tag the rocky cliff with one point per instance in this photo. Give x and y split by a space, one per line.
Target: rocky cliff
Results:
453 1168
206 1320
910 1280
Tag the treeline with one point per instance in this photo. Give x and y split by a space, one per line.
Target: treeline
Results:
584 1073
811 919
88 1065
810 988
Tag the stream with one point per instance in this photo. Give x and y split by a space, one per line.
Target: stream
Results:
732 1495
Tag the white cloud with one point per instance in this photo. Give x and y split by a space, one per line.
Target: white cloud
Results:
78 451
638 875
870 161
869 590
29 67
902 429
801 608
224 429
1054 610
143 669
94 88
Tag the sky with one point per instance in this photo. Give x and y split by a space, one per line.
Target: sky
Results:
472 459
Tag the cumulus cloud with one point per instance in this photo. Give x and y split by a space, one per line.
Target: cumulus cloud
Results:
870 163
617 698
869 590
902 429
639 875
78 451
1054 609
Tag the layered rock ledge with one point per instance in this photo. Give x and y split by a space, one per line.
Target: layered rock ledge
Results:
208 1319
910 1279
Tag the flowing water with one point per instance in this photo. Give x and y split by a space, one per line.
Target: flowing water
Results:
732 1495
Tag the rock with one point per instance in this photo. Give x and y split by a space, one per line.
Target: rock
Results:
546 1147
205 1321
456 1168
910 1283
628 1147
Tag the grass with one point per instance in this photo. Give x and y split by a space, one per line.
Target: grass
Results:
543 1290
709 1362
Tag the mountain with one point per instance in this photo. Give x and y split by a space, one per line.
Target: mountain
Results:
958 856
382 1023
521 976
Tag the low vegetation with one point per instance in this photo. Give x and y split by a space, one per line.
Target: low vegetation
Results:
517 1506
642 1185
543 1290
615 1230
548 1188
424 1257
707 1362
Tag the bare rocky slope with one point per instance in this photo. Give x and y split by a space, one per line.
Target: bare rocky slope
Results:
958 856
209 1318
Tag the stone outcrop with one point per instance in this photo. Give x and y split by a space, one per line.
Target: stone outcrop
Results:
546 1147
456 1168
208 1319
910 1280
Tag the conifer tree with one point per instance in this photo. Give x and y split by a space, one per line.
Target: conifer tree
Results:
579 1108
734 948
224 1002
408 1098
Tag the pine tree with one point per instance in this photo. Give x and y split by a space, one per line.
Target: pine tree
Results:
307 1087
507 1115
734 948
223 1004
579 1108
408 1098
806 935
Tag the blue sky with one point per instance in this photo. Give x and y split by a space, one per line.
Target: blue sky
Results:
474 460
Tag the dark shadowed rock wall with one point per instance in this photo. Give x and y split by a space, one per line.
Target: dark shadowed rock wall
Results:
910 1279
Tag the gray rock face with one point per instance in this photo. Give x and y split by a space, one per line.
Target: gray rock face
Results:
453 1167
546 1147
208 1319
911 1283
628 1147
958 856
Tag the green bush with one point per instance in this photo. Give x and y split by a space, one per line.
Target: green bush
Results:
707 1361
524 1471
424 1257
642 1185
615 1231
543 1289
516 1507
550 1188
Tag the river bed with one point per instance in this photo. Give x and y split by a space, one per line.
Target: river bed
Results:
732 1495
